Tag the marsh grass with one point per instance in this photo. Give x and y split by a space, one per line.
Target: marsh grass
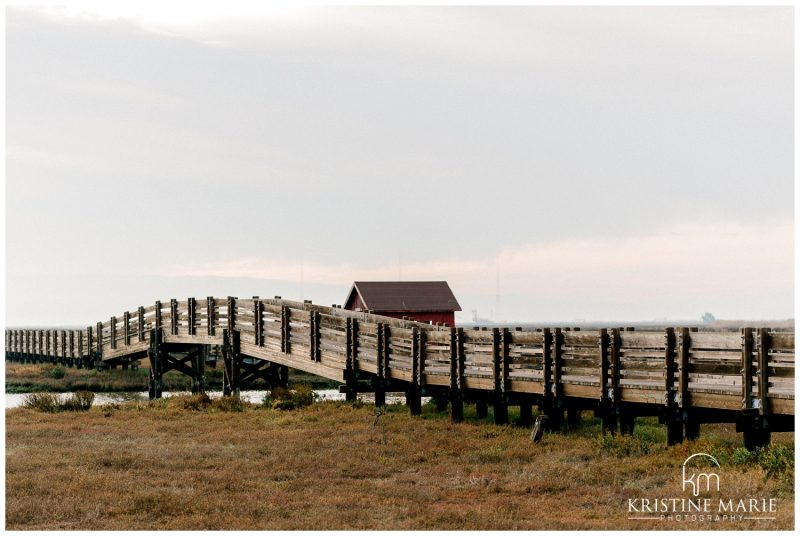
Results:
53 403
28 378
177 464
299 396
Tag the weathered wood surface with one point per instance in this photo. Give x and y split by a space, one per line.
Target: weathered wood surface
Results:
751 370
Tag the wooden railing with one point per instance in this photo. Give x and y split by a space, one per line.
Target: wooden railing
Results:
749 372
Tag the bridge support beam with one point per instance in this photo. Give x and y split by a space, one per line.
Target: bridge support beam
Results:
525 414
198 369
232 362
154 353
350 386
414 399
379 387
481 408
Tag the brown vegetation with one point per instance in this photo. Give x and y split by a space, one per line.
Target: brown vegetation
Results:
193 463
29 378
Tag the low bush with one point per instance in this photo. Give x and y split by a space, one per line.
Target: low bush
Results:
287 399
57 373
48 402
623 446
52 403
79 401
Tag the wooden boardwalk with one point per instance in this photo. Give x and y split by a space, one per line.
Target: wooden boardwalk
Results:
685 377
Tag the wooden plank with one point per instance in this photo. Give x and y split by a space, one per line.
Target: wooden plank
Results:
782 341
641 339
527 337
580 338
710 340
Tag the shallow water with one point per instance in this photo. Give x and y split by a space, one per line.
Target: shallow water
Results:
15 400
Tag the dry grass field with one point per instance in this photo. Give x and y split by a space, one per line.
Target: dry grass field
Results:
173 464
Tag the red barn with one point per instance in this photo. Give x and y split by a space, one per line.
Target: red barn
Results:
423 301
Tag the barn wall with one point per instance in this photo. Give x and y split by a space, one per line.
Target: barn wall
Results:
446 317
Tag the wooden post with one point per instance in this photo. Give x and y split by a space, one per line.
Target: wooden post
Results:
756 426
314 321
89 351
157 320
674 431
286 334
378 380
79 357
683 369
99 341
555 411
456 374
232 364
413 397
126 328
173 316
198 369
547 369
211 314
747 369
192 315
154 353
499 369
351 341
113 333
387 351
140 314
607 407
63 347
258 321
764 343
71 359
231 315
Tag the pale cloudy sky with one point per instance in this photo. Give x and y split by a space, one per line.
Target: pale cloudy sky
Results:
550 163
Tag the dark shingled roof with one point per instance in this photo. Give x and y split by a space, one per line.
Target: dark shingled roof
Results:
397 296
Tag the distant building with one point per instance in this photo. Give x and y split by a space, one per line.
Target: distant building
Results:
423 301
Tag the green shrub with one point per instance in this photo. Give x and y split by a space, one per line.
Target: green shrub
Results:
303 395
79 401
285 399
47 402
51 403
623 446
57 372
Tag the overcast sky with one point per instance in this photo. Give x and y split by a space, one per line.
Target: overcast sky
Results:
550 163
